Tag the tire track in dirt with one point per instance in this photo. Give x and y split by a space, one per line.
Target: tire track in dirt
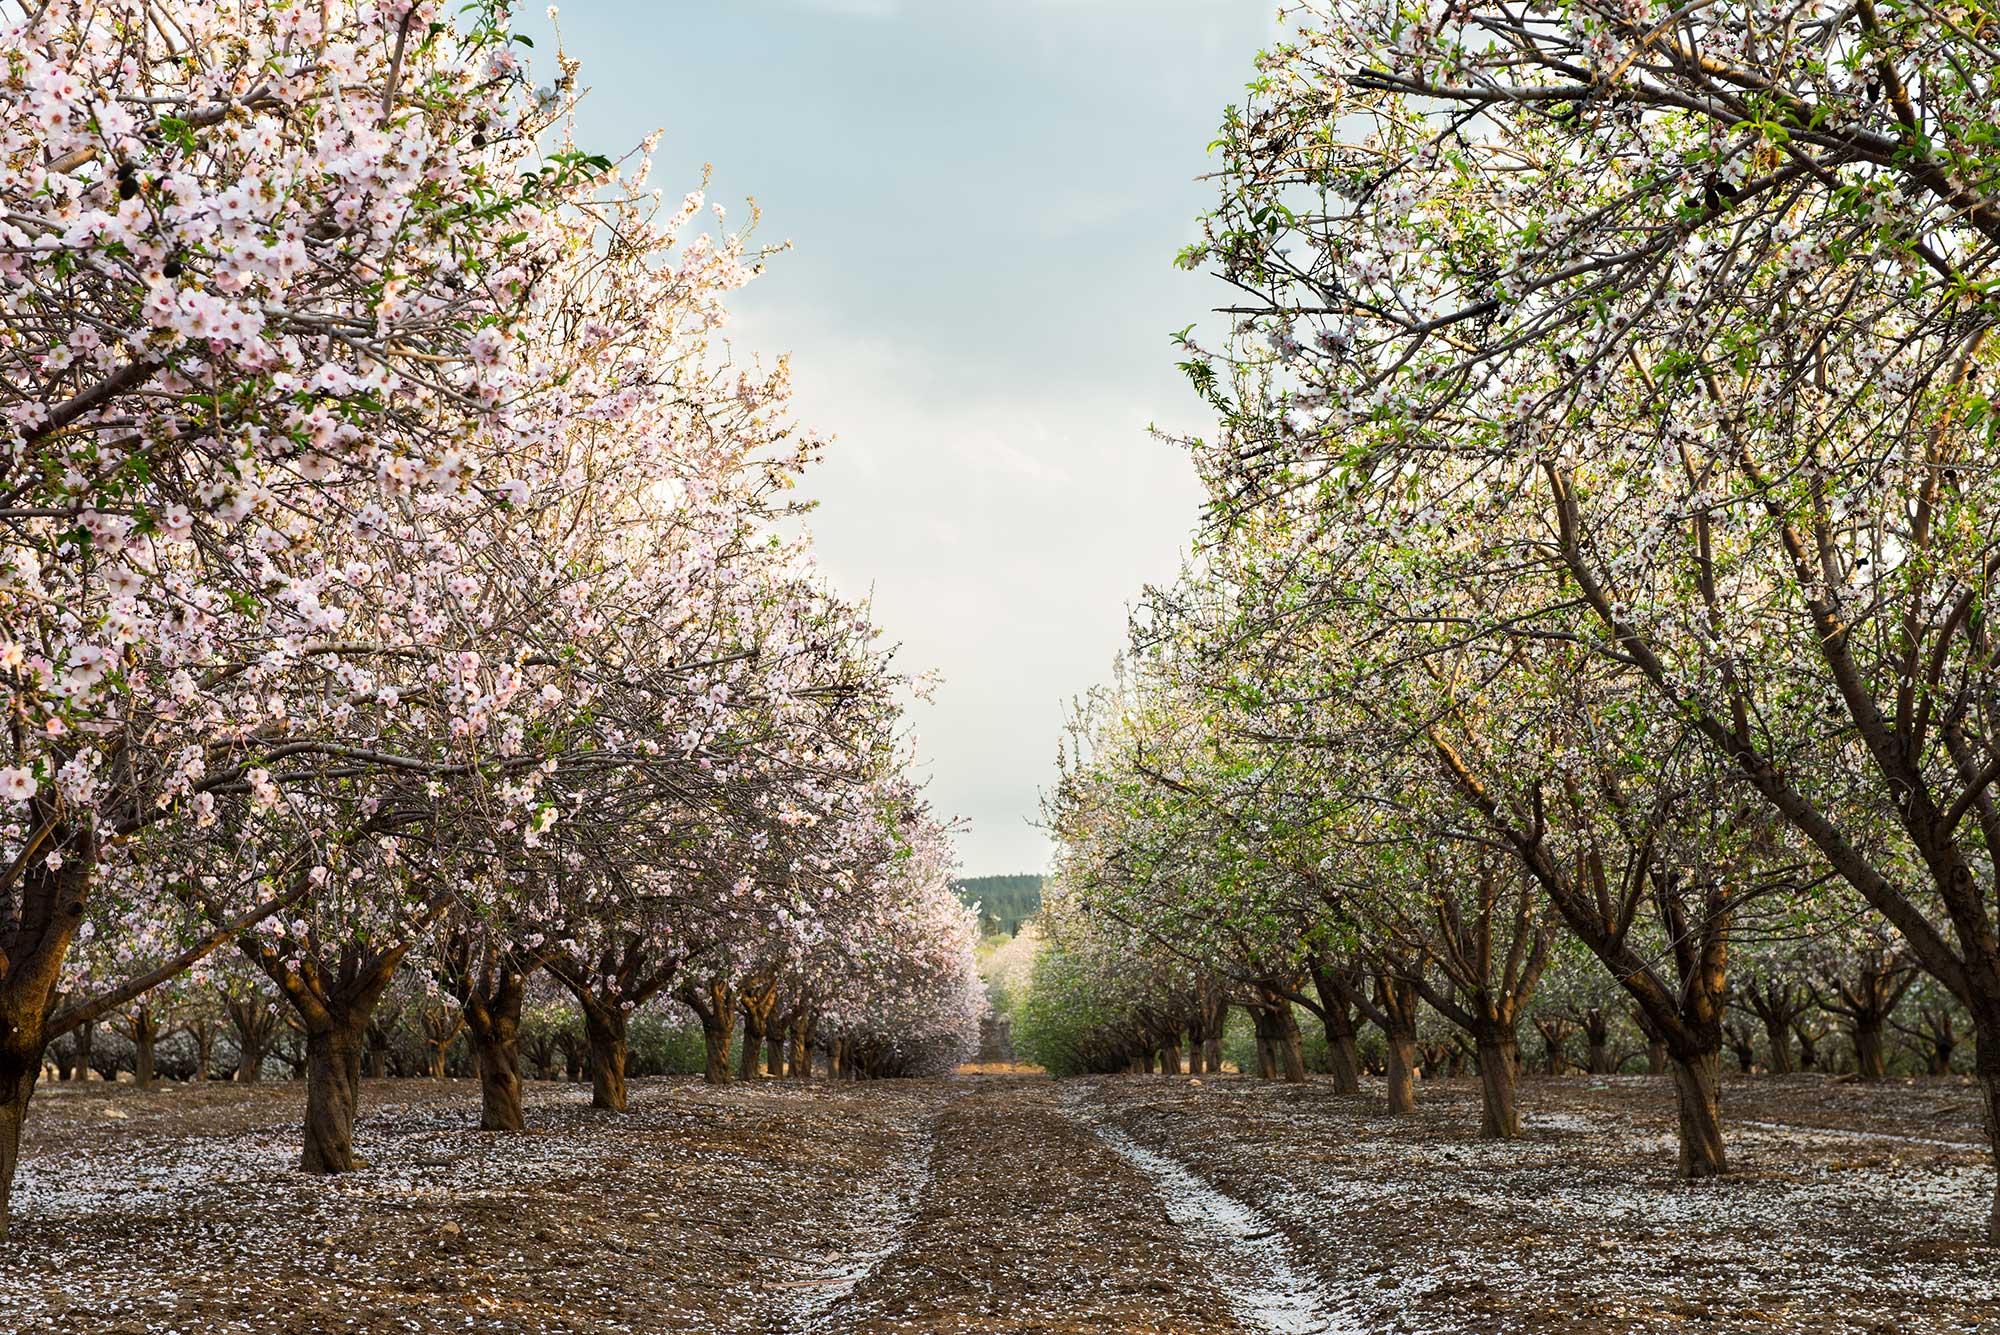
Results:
1031 1223
884 1208
1247 1253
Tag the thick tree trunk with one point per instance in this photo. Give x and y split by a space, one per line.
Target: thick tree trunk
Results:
1779 1037
499 1084
1211 1053
774 1054
495 1025
753 1044
333 1091
1402 1072
716 1032
1343 1063
20 1066
144 1046
604 1030
86 1035
1499 1074
249 1065
1285 1038
1869 1062
1698 1082
800 1061
1656 1057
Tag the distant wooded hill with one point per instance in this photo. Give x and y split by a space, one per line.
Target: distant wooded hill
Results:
1005 902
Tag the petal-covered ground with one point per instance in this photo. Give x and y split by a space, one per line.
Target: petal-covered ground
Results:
1004 1203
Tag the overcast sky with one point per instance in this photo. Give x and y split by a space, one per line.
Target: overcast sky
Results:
984 198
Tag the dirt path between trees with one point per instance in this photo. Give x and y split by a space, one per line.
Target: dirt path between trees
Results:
1032 1223
1005 1204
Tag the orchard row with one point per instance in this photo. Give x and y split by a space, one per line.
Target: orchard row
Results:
399 575
1593 610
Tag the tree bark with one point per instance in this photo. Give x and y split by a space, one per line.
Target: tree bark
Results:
1698 1082
144 1047
333 1090
774 1053
493 1018
1778 1037
1397 1001
604 1030
1869 1062
204 1050
1343 1063
20 1066
1285 1040
1402 1072
753 1045
799 1060
716 1031
1499 1074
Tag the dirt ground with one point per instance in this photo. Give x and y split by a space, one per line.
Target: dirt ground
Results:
1003 1202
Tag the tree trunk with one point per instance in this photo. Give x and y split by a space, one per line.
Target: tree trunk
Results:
604 1030
144 1043
20 1066
716 1031
1499 1074
333 1089
499 1083
753 1043
1342 1062
800 1061
1698 1082
1402 1072
1869 1063
1211 1053
86 1035
774 1054
249 1065
1779 1036
1656 1057
1285 1038
1396 999
494 1021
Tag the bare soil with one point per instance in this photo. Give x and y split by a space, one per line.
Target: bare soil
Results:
1003 1203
